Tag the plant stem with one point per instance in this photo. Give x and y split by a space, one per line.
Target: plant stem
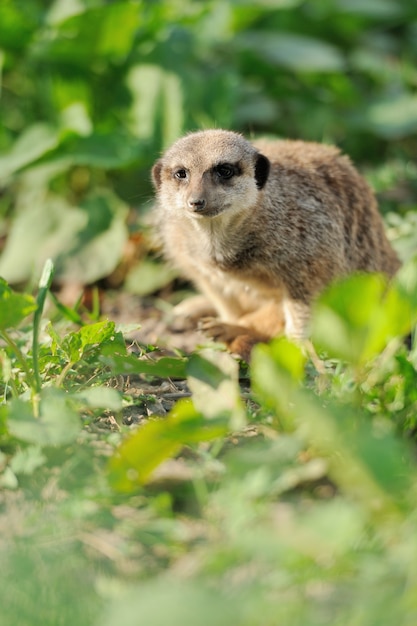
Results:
63 373
44 285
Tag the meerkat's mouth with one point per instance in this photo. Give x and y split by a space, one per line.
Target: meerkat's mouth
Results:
206 212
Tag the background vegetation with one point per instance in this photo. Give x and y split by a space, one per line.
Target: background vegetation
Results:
93 91
290 502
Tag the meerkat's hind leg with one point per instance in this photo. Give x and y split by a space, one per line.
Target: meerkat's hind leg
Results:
268 319
297 317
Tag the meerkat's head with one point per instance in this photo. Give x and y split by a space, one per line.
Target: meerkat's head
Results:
207 173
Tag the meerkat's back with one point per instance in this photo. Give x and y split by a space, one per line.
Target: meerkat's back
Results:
320 171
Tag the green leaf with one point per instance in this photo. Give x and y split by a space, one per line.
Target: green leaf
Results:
36 141
355 318
106 151
277 370
205 370
139 455
165 367
85 242
72 347
100 332
157 106
382 9
278 458
213 378
62 10
17 26
394 117
14 307
77 343
296 52
96 248
406 283
4 411
148 276
57 425
100 32
365 459
177 603
99 398
27 460
8 479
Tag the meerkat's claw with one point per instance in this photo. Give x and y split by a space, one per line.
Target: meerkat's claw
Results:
218 330
238 339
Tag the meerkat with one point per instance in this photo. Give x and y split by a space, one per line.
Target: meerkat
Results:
262 228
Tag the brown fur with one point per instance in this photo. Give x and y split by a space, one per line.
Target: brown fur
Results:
261 243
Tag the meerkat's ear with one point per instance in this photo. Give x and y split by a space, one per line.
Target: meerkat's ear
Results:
156 174
262 166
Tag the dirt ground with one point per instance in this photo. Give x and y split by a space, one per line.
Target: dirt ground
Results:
155 321
149 396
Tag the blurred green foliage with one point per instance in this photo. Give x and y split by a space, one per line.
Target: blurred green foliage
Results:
92 91
296 506
307 519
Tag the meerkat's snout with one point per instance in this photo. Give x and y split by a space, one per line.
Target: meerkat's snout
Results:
193 192
196 204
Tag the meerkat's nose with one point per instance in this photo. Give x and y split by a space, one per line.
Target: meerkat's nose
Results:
196 204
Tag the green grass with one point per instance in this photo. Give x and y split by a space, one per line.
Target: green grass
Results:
295 504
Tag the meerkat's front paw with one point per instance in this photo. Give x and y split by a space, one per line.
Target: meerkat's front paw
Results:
238 339
218 330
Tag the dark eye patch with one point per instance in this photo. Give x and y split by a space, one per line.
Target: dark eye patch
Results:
224 171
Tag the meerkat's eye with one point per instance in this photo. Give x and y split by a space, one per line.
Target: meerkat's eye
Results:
180 174
224 170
